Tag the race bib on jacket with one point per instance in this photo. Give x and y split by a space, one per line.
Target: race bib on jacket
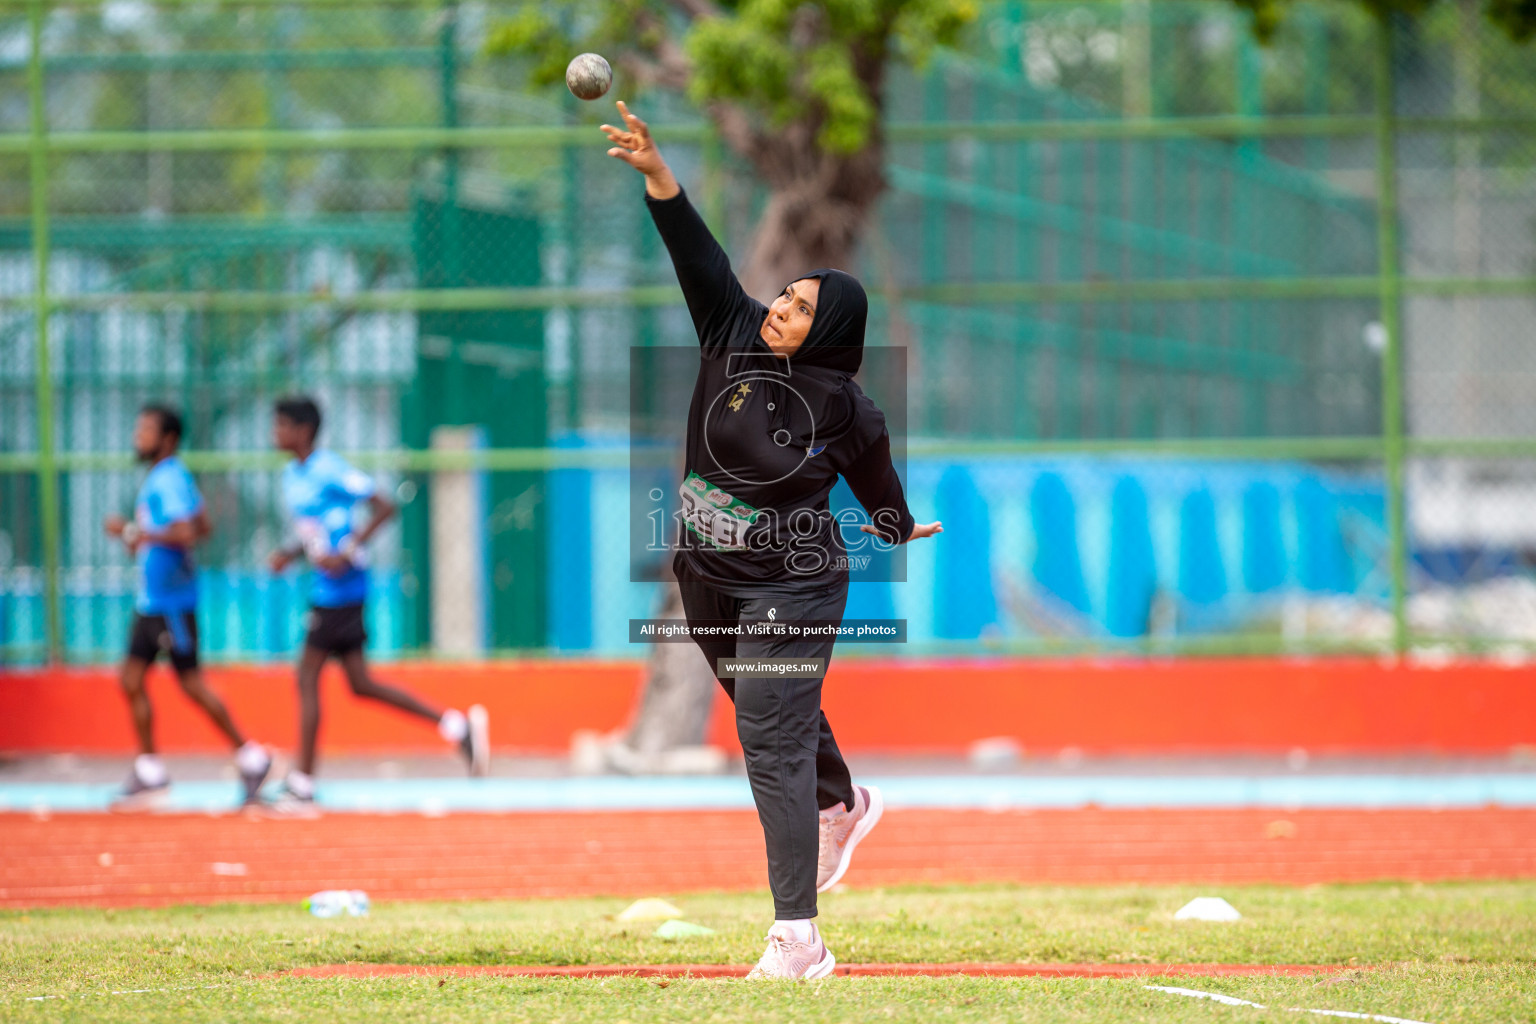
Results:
717 518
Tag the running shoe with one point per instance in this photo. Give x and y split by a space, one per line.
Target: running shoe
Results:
288 804
788 960
476 744
842 831
137 796
250 782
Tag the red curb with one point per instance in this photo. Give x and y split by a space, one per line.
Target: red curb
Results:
970 970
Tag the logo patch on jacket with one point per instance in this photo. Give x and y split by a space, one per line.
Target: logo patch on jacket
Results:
813 452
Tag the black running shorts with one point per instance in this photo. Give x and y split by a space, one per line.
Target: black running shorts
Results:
337 630
173 634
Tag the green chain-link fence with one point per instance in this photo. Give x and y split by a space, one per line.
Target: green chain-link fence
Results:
1212 346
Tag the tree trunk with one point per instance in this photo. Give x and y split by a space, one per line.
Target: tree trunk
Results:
819 205
799 232
679 691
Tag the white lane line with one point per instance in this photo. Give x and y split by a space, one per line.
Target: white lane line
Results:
1361 1016
1234 1001
1197 994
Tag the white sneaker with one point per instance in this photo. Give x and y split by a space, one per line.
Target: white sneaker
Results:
290 804
138 797
252 775
841 832
477 742
788 960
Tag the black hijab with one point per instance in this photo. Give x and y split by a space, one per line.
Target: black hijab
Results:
831 354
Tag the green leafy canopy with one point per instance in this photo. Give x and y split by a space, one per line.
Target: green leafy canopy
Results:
1516 18
782 61
814 62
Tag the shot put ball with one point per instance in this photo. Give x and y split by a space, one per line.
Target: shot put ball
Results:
588 76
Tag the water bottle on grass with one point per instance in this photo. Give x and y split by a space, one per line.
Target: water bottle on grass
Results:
335 902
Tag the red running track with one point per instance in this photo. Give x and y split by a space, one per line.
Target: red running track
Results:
104 860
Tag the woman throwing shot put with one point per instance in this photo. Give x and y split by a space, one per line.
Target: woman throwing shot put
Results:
774 420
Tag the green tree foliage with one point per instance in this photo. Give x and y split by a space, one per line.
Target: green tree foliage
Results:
1517 18
779 61
795 88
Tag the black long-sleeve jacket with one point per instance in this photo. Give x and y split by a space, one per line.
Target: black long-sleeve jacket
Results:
755 508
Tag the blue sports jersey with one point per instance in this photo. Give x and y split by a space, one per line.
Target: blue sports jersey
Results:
320 493
167 575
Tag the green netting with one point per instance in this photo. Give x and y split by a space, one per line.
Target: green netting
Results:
1112 232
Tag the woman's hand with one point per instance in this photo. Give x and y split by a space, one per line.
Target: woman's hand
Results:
919 530
633 144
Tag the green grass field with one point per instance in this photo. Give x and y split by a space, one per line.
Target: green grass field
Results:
1438 953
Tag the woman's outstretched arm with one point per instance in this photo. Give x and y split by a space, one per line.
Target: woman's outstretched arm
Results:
873 480
715 297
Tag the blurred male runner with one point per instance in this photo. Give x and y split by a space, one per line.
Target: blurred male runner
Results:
168 522
321 491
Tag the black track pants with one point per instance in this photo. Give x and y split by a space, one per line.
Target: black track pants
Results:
792 760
